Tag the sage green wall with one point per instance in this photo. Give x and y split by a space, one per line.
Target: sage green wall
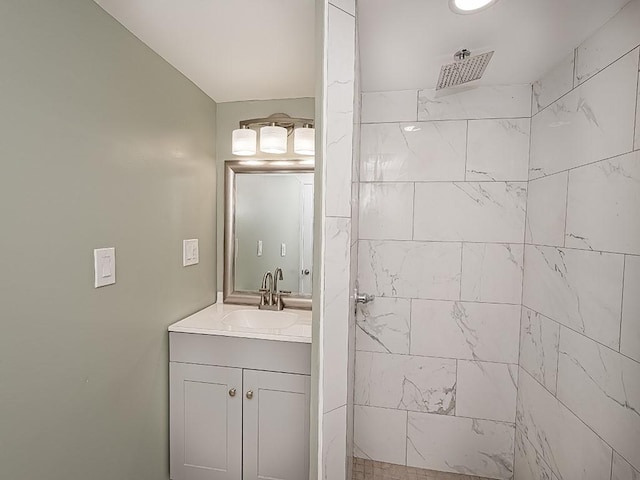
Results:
229 114
102 143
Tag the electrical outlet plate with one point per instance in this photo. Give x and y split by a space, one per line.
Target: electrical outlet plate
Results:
190 252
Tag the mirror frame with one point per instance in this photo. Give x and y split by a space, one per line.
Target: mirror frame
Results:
231 169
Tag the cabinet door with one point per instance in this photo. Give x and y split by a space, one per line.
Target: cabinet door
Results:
275 426
206 422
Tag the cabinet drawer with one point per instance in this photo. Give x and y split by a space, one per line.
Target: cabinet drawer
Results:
237 352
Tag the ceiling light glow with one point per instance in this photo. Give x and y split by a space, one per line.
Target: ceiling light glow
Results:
470 6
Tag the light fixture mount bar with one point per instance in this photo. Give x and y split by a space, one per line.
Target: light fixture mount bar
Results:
277 119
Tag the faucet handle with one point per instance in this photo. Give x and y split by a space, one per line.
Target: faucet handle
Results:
285 292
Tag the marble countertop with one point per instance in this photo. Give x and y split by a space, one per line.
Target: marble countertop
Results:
212 320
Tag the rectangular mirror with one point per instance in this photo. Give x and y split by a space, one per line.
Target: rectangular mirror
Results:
268 222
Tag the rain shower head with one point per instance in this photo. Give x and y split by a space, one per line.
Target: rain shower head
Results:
465 69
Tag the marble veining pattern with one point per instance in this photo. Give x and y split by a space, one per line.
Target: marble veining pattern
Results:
334 451
355 211
492 272
465 209
336 254
478 102
351 348
487 390
410 269
588 124
630 332
603 205
340 97
348 6
498 150
384 325
465 330
579 289
636 142
554 84
579 383
568 446
336 307
529 465
622 470
602 387
386 211
460 445
546 210
429 151
380 434
539 343
404 382
611 41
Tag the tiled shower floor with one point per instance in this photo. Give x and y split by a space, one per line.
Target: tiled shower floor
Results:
371 470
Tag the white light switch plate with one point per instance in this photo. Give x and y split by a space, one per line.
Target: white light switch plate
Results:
104 266
190 253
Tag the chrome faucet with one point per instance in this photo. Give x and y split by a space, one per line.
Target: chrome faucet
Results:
266 291
270 295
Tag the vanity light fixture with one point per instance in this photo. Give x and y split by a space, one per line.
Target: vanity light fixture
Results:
465 7
274 131
243 141
304 140
273 139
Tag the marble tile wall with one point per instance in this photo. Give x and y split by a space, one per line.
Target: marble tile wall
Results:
578 408
337 244
442 208
353 274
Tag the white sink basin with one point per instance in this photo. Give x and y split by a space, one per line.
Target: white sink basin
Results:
260 319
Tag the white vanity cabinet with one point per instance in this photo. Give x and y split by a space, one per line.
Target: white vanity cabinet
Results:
239 408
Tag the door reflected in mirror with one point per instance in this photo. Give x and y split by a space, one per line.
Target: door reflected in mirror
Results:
274 228
268 225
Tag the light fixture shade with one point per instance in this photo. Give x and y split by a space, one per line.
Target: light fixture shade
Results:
273 139
243 142
304 141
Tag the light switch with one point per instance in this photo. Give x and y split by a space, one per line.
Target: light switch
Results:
283 249
104 266
190 254
259 248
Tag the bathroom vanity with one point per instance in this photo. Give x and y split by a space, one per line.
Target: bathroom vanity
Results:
239 394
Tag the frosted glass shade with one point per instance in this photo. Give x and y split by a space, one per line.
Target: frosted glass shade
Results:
304 141
273 139
243 142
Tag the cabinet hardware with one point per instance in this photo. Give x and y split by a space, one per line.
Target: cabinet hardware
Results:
250 394
232 392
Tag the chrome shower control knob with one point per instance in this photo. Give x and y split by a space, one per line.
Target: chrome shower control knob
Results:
364 298
232 392
250 394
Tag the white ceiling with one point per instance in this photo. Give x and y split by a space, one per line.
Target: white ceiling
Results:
232 49
264 49
403 43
